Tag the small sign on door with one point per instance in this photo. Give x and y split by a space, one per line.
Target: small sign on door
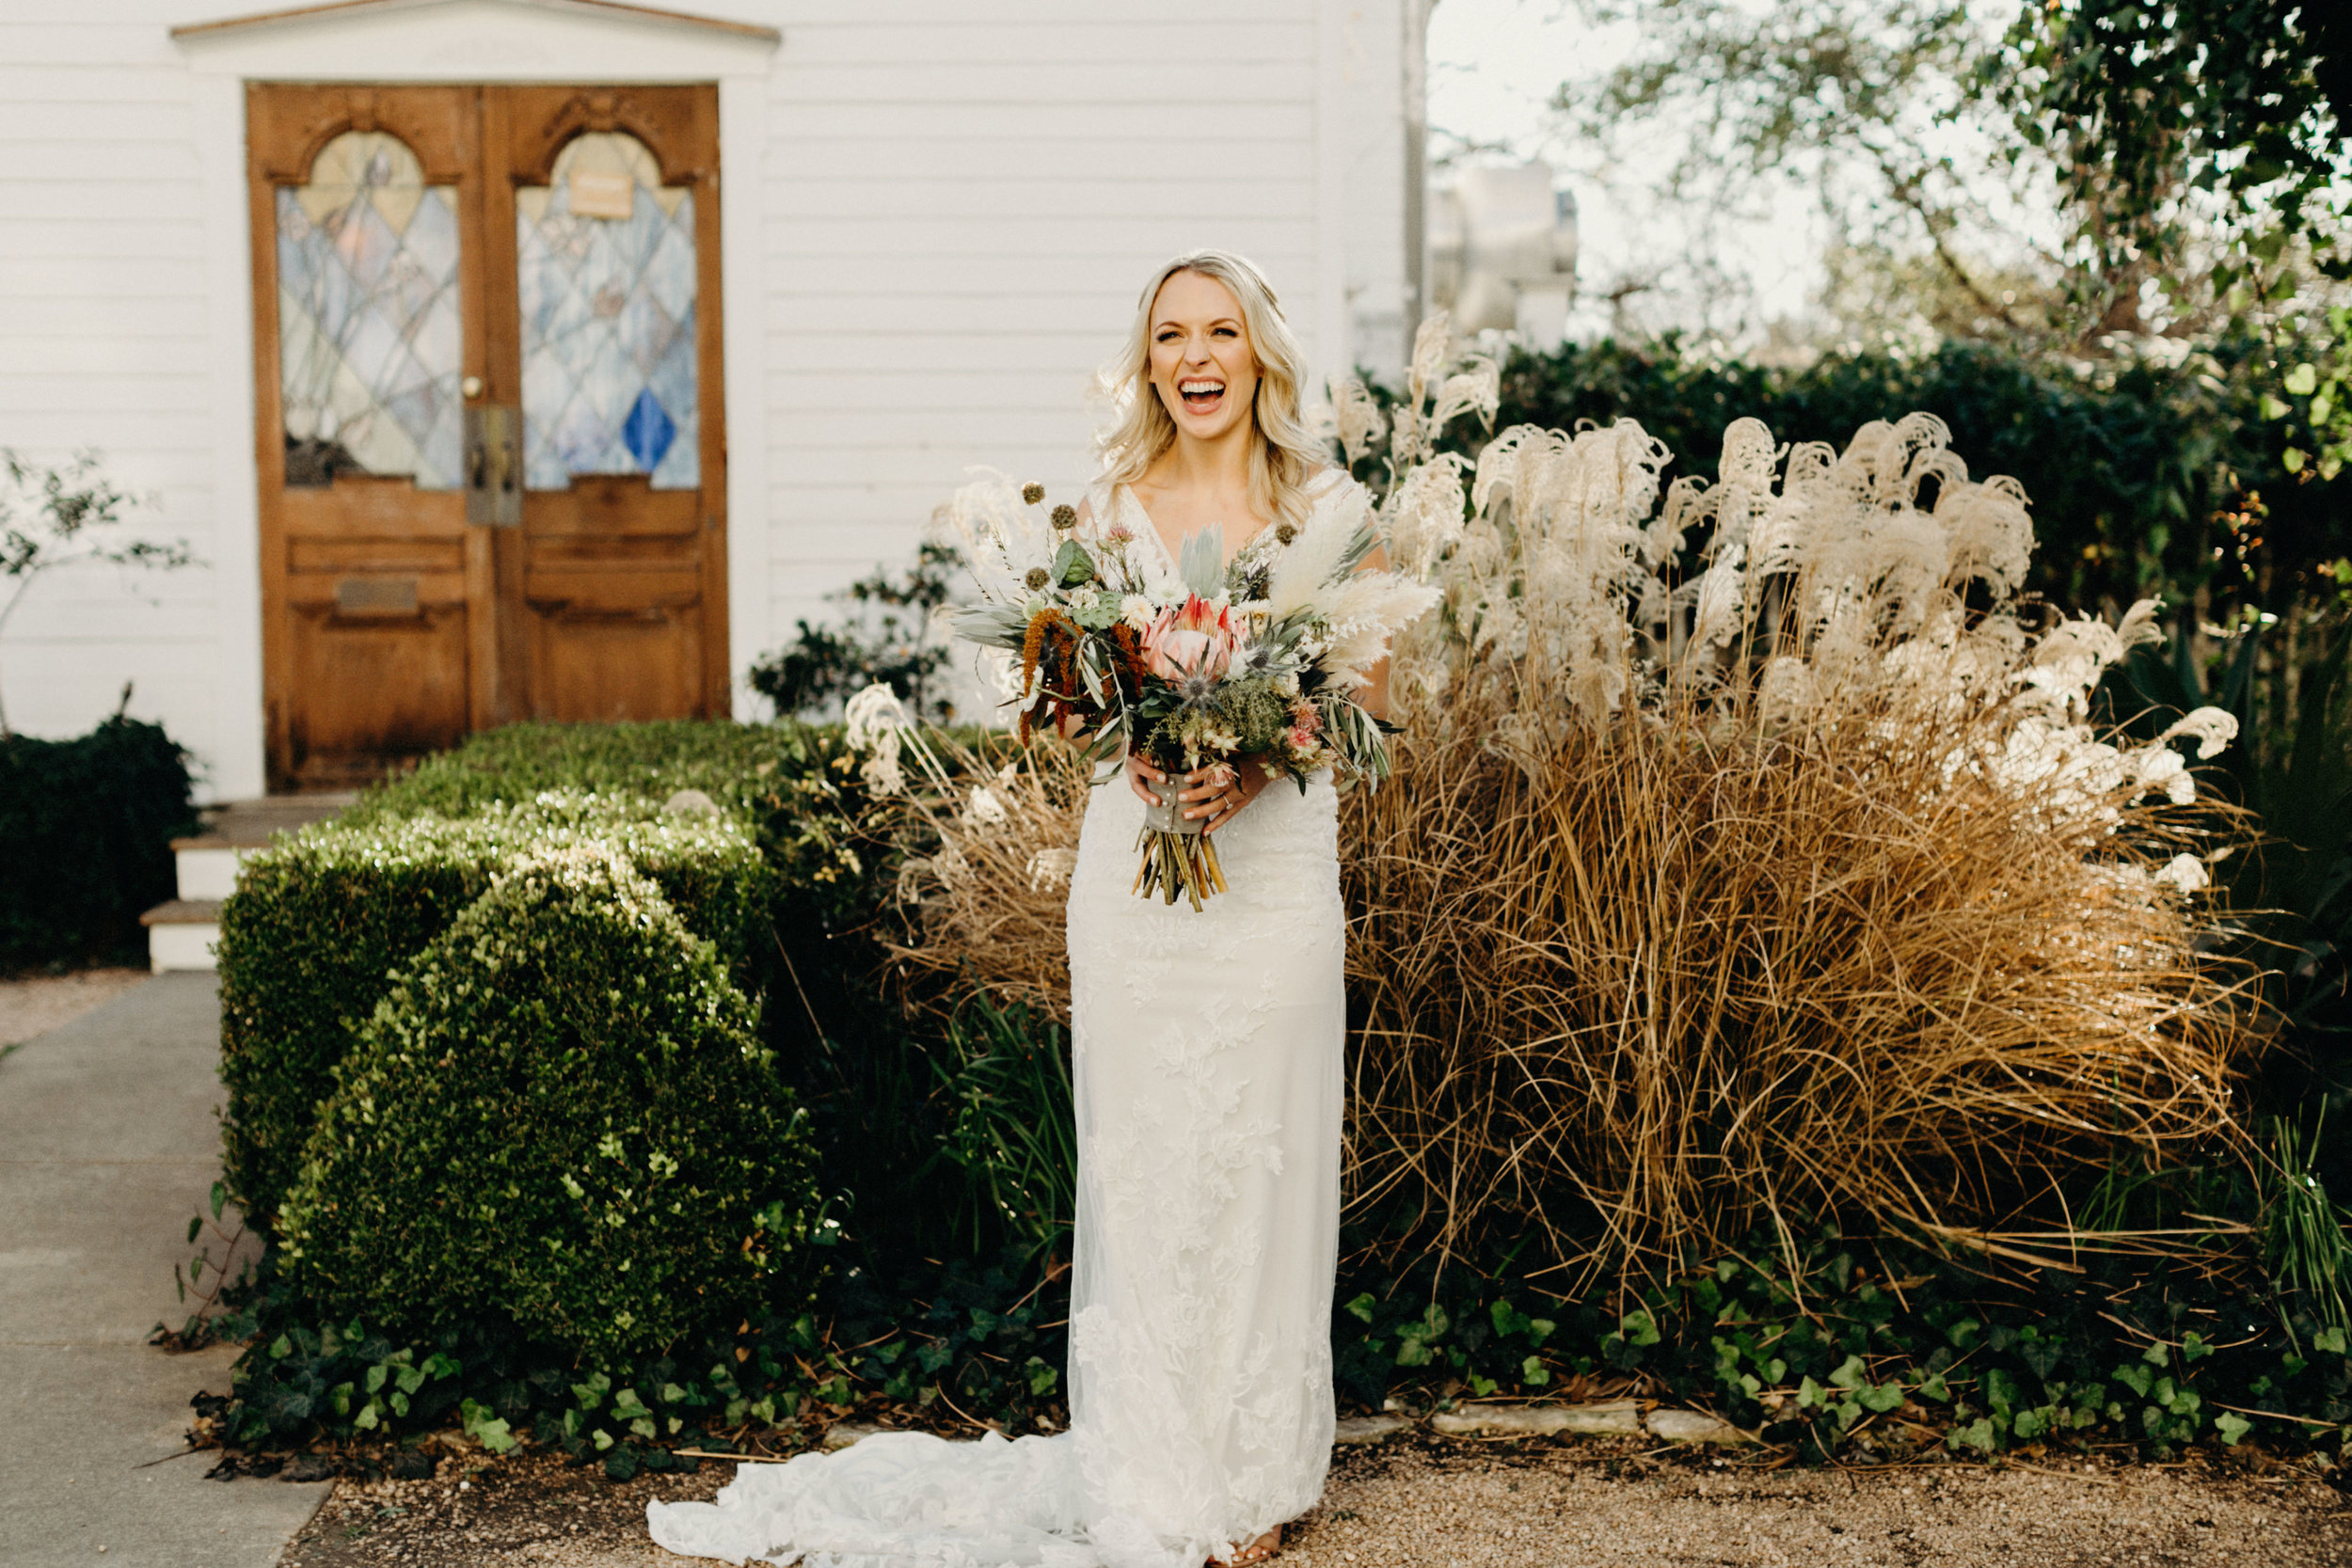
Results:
597 195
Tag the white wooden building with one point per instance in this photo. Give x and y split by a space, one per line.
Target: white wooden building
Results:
514 357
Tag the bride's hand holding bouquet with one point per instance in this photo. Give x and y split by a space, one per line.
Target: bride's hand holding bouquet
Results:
1213 682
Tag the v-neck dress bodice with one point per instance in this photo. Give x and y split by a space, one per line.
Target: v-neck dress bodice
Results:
1119 504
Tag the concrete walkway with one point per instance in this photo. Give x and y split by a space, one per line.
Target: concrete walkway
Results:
108 1142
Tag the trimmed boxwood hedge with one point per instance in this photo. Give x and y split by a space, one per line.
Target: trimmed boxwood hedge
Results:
559 1115
319 921
86 831
790 783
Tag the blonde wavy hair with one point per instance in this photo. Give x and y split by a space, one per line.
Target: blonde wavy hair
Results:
1140 429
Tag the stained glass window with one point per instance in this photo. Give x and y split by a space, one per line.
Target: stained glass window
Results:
607 318
368 338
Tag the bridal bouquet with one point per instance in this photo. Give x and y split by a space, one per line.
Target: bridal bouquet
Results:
1256 661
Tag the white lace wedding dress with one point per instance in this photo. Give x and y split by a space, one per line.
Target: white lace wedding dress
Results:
1207 1049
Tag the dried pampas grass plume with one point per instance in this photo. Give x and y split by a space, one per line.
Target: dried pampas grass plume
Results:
1750 853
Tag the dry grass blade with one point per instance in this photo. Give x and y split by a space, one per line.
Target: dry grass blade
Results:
987 899
1801 885
1652 991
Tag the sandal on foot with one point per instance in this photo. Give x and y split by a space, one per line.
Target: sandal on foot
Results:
1261 1550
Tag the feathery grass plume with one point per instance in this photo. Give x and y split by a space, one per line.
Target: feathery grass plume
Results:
996 525
991 839
1752 855
1357 416
1750 852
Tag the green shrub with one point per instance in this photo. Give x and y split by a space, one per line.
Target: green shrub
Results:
2145 478
792 784
86 826
888 634
747 769
560 1114
1003 1077
320 921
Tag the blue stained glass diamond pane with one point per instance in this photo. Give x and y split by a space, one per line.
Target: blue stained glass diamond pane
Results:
608 317
647 432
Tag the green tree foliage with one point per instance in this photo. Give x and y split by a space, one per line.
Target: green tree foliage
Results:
1881 111
2192 151
2145 106
2145 477
47 518
2204 144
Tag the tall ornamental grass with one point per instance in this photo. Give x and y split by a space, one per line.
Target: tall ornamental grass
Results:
1750 854
988 843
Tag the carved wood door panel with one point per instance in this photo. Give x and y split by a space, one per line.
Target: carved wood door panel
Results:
489 428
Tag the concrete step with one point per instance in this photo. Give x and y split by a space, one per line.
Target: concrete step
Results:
208 866
254 822
182 934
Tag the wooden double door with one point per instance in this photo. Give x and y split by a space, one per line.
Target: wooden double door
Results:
490 432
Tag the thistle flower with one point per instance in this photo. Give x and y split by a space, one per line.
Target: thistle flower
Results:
1195 692
1032 493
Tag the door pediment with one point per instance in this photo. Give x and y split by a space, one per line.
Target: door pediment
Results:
477 41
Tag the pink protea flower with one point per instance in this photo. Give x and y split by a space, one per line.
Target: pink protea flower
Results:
1194 639
1306 731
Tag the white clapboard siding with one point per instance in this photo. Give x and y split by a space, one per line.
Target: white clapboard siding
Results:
954 207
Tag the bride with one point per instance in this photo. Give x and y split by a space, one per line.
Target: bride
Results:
1207 1051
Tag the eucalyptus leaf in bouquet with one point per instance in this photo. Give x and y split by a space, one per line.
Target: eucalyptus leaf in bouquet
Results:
1260 660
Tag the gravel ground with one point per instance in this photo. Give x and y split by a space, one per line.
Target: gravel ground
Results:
39 1003
1546 1504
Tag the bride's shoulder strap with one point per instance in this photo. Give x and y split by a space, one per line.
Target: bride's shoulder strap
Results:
1096 507
1328 482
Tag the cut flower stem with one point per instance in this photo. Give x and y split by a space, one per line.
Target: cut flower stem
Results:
1175 862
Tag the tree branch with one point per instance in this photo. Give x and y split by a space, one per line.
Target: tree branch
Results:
1907 188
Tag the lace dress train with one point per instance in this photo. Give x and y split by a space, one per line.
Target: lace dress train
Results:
1207 1055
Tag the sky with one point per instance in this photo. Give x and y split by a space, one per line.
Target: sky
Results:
1493 68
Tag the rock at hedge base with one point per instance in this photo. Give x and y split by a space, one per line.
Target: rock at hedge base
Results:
560 1113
